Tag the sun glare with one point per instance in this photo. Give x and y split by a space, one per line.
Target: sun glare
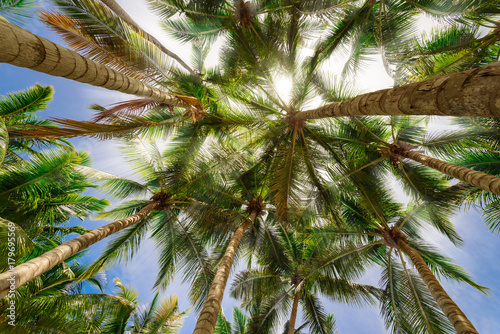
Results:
284 86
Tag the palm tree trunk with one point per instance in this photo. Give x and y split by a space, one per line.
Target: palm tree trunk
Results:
481 180
27 271
450 309
468 93
295 306
208 316
123 15
24 49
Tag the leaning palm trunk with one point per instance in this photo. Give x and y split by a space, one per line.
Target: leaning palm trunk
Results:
468 93
25 272
295 306
481 180
208 316
24 49
122 14
450 309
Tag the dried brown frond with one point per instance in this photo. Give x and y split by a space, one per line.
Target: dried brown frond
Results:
192 101
72 128
196 110
130 108
195 114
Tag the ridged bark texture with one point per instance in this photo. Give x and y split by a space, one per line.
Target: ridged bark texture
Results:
29 270
24 49
295 306
468 93
208 316
481 180
450 309
123 15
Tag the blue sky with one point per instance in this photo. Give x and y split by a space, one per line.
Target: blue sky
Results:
71 100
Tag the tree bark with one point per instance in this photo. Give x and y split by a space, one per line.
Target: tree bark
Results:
27 271
468 93
208 316
295 306
450 309
24 49
123 15
481 180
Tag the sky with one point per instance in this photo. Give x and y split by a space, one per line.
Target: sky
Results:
71 100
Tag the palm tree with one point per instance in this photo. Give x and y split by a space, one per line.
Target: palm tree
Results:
373 136
225 211
178 228
27 271
208 315
40 190
374 217
170 176
294 267
240 322
247 190
450 95
476 178
34 53
290 150
38 226
55 301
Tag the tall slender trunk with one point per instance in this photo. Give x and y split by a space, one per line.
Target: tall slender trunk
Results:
295 306
450 309
27 271
122 14
468 93
208 316
24 49
481 180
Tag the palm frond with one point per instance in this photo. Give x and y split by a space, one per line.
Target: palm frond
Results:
314 313
18 12
30 100
222 326
399 301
